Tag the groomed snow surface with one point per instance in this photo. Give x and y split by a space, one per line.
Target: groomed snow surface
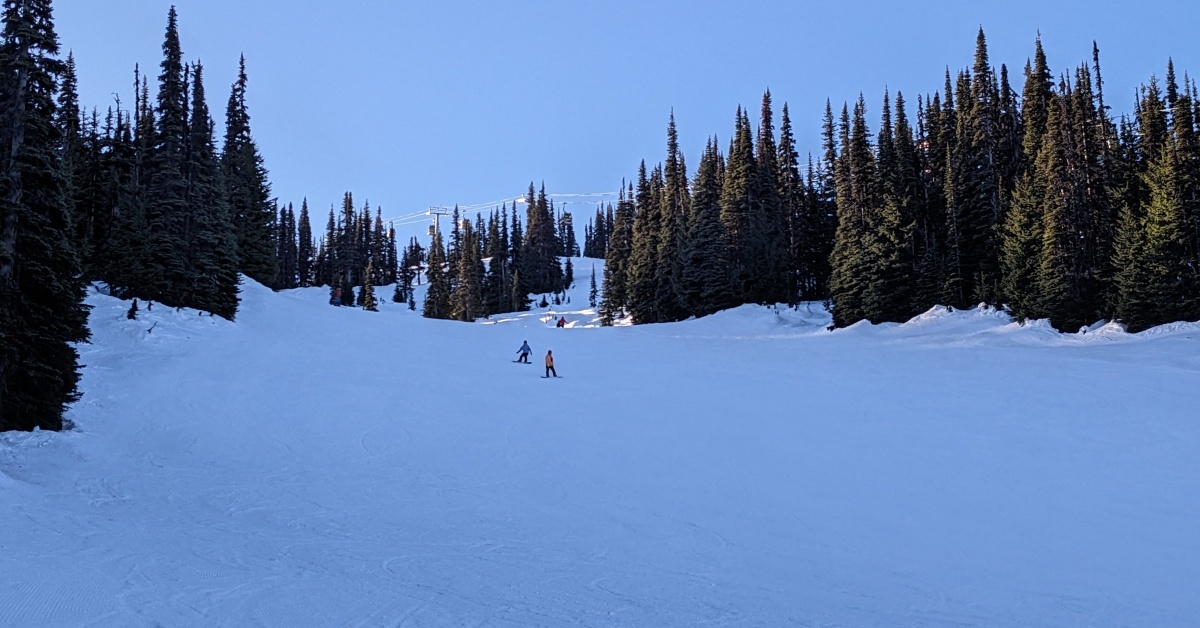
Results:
319 466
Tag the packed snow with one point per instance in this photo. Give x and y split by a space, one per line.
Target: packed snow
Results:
309 465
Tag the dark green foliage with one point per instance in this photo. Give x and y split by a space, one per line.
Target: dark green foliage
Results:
437 297
858 199
615 300
498 283
166 191
592 288
518 298
1035 102
769 251
247 191
706 287
1061 271
540 270
891 293
1158 285
41 292
596 234
1021 248
288 253
1045 206
210 275
642 279
794 207
737 213
817 222
669 300
367 295
566 235
467 300
305 255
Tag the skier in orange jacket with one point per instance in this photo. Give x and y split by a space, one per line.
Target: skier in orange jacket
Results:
550 364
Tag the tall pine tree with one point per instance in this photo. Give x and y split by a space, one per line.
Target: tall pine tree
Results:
41 292
247 189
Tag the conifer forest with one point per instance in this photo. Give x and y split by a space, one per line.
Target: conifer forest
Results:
1025 191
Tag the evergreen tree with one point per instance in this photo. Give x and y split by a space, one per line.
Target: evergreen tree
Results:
768 243
669 300
209 236
592 289
305 257
566 234
642 286
393 255
794 207
347 252
541 271
705 265
980 207
932 229
124 256
327 264
467 300
1062 273
72 156
368 291
1021 248
892 284
736 209
1158 284
857 199
437 297
519 299
247 189
41 293
1035 102
615 299
819 223
497 286
92 177
166 203
1185 139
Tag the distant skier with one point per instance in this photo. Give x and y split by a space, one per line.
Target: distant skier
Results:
550 364
562 321
524 352
336 299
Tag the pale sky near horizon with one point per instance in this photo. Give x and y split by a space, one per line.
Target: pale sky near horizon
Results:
413 104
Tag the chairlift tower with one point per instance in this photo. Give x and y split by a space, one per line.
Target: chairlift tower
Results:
437 213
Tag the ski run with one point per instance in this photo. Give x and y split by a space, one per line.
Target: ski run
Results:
309 465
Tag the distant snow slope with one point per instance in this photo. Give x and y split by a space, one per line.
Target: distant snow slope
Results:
319 466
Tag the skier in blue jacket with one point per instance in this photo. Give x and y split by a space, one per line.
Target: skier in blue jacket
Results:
524 352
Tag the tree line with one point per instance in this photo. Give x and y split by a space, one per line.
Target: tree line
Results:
491 267
139 200
483 267
1039 202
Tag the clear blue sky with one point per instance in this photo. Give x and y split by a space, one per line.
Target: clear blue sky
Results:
411 104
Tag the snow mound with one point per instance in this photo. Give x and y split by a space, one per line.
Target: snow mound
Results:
1171 328
751 321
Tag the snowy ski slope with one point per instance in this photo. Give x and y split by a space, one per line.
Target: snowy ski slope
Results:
319 466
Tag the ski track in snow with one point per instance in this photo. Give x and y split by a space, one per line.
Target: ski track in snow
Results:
319 466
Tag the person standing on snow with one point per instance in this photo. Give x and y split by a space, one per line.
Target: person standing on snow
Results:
550 364
562 321
524 352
